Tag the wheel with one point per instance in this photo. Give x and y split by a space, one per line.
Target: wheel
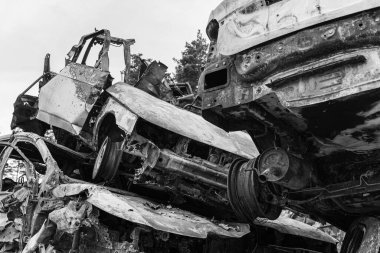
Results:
362 236
108 160
247 195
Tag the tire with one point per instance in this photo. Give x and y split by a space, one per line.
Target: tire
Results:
107 160
245 193
362 236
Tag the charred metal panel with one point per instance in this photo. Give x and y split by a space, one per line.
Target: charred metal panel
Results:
334 83
244 24
51 178
151 78
294 227
335 63
146 150
125 118
66 100
178 120
69 218
348 33
313 96
139 210
339 104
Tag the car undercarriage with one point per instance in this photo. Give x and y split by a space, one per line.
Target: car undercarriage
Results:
307 92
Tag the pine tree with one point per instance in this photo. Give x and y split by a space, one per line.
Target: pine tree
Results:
192 62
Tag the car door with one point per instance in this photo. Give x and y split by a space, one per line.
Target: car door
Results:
66 100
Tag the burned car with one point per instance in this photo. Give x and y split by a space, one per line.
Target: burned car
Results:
302 78
138 139
44 208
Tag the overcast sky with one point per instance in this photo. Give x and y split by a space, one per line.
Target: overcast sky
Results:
30 29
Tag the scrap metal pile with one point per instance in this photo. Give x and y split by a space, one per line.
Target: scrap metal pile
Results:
129 169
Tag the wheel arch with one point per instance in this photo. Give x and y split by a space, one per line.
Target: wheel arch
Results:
106 125
114 116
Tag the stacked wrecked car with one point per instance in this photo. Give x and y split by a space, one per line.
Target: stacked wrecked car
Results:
302 78
106 166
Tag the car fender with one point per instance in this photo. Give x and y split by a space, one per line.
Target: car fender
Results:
125 119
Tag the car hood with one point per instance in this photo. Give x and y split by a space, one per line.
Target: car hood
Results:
246 23
182 122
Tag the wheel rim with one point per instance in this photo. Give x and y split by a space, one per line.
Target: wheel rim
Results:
99 158
244 193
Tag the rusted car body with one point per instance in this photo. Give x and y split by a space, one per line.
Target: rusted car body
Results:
302 78
136 137
47 210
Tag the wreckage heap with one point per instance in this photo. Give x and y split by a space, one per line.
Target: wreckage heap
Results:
130 171
50 210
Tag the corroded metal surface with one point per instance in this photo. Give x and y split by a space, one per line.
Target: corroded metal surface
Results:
249 23
73 223
151 78
311 90
66 100
178 120
68 218
138 210
371 240
335 61
37 239
125 119
349 33
363 236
